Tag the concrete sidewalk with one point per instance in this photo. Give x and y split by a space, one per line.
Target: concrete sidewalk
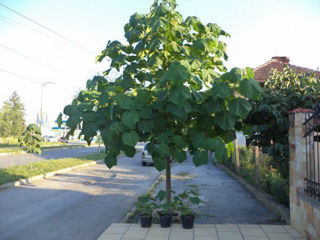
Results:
226 200
201 232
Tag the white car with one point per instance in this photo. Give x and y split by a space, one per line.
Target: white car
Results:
51 139
146 157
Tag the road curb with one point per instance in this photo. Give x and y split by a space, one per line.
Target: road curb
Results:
44 176
264 198
133 208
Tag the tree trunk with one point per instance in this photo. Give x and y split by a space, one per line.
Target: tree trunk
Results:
168 180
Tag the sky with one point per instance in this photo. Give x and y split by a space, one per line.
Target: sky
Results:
31 56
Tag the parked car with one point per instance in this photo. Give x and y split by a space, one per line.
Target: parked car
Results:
50 139
146 157
63 140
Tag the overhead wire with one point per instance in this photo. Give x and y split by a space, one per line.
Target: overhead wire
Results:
79 45
13 22
32 59
31 80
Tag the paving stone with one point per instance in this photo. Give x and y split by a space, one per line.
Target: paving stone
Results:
110 236
116 228
206 238
293 232
204 226
157 237
256 238
181 237
273 228
230 236
205 232
279 236
227 227
135 234
248 226
160 231
252 232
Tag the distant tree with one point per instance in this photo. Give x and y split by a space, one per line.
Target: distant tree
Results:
31 139
12 114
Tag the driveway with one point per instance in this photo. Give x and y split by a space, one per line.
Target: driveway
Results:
78 205
226 200
24 158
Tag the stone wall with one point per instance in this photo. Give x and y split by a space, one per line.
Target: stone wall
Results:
304 211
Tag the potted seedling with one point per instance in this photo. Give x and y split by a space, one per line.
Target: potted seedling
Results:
164 210
184 203
145 206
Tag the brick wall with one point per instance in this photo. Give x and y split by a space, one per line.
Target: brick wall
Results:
304 211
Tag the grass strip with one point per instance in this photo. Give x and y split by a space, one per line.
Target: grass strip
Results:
24 171
11 150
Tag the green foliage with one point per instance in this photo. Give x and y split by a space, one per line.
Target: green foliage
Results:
145 204
187 200
12 115
31 139
170 90
284 91
270 179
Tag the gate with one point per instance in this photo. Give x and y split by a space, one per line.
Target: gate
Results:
312 138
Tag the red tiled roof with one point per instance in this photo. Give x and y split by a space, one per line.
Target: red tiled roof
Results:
301 110
262 72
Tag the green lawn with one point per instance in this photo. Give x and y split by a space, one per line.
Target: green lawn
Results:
15 148
15 173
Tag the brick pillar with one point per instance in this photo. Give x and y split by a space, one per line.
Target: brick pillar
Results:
303 213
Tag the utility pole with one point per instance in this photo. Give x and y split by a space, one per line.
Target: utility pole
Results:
42 86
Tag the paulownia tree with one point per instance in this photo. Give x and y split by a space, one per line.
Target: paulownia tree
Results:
170 92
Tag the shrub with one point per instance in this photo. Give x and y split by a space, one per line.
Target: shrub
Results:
280 189
270 178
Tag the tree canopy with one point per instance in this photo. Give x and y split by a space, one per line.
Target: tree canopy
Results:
173 90
12 122
285 91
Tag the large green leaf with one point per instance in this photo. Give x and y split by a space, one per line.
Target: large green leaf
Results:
176 74
160 163
146 125
250 88
220 90
200 157
110 160
180 156
240 107
129 151
130 138
126 102
179 94
130 118
225 120
209 75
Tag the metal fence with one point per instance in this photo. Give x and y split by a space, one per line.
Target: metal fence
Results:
312 138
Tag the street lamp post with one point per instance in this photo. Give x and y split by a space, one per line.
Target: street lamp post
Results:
42 86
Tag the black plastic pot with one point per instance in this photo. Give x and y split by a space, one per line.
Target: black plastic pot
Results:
187 221
165 220
145 220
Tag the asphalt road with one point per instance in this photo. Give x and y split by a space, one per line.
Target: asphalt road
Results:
24 158
79 204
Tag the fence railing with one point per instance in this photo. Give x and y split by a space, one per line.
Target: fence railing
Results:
312 138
